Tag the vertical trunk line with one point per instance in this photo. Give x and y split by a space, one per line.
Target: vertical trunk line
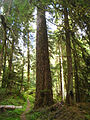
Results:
69 97
28 55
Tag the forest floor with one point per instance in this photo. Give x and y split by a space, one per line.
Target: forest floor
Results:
23 117
79 111
58 111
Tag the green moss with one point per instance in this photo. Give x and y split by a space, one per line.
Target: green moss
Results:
12 99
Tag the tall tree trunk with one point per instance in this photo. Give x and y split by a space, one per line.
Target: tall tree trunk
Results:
57 90
5 52
69 97
11 55
58 83
22 74
28 57
10 64
61 72
44 95
77 91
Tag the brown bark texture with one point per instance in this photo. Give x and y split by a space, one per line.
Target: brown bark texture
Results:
44 95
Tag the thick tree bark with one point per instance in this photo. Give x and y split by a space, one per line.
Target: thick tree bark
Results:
44 95
69 96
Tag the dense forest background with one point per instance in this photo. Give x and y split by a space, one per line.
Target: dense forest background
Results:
44 54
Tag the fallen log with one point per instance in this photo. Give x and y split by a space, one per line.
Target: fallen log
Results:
10 107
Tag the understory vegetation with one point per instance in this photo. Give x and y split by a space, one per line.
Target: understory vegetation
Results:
58 111
14 98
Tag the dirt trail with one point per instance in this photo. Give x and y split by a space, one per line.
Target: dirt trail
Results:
23 117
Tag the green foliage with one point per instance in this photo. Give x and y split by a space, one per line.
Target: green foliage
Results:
11 99
87 117
9 116
34 116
